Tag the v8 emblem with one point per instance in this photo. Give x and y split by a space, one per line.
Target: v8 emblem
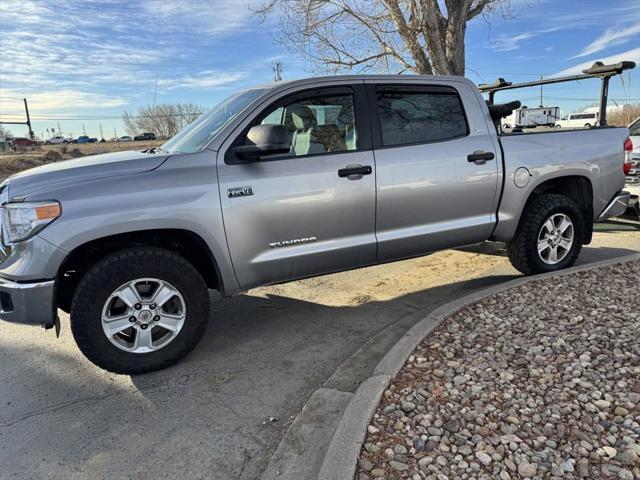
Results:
240 192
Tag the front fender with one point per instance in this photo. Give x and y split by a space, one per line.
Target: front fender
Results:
182 194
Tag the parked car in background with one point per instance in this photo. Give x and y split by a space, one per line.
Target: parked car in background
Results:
85 139
57 140
290 181
145 136
23 142
578 120
125 138
632 184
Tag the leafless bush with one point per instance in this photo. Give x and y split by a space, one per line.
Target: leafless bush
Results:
165 120
624 117
52 156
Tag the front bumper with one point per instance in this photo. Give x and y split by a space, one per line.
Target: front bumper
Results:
29 303
617 206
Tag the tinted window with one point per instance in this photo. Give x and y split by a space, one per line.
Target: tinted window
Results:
317 124
407 117
634 129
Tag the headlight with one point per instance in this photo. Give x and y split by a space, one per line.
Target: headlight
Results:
23 220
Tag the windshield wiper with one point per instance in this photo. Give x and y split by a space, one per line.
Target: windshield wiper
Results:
154 150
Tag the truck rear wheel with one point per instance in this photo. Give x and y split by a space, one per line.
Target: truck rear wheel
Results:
139 310
549 236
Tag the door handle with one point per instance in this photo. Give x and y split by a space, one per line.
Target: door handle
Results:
480 157
354 172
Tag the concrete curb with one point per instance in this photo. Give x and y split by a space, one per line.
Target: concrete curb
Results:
342 455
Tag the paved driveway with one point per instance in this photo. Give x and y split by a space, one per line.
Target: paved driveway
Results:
222 412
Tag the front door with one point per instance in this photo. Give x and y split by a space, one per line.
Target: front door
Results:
303 213
437 168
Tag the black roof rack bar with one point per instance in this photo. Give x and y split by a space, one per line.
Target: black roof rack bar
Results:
597 70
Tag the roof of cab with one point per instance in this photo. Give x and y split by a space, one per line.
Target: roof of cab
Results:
356 78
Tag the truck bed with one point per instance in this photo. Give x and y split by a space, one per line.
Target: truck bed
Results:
595 154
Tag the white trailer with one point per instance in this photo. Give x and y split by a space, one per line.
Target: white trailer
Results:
525 117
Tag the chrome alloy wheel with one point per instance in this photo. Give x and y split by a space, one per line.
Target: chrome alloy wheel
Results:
555 238
143 315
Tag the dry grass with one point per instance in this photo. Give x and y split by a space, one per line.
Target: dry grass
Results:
624 118
30 157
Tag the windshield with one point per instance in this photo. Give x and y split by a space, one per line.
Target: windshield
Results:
197 135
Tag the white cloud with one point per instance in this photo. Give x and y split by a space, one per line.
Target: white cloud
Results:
71 49
633 55
209 17
56 101
612 37
506 43
207 79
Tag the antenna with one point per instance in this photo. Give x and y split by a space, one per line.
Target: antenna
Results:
277 71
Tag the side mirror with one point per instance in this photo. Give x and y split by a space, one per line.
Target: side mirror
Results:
263 140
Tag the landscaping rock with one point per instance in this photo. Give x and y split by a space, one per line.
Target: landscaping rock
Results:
540 381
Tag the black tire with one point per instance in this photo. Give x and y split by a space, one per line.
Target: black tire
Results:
117 269
523 248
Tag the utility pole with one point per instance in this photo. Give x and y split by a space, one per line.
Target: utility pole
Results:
59 129
26 109
115 135
101 134
277 71
84 130
27 123
541 99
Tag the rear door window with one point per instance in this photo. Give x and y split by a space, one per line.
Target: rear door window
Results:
412 117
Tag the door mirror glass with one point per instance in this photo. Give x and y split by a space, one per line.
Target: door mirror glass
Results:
263 140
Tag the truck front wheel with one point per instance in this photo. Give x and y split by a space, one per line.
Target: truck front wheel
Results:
549 236
139 310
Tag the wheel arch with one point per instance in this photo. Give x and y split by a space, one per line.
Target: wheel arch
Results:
184 242
575 185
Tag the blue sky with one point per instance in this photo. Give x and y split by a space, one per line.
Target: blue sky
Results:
85 61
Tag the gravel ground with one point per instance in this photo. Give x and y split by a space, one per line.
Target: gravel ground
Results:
542 381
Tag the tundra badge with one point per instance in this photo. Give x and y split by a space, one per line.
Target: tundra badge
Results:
239 192
295 241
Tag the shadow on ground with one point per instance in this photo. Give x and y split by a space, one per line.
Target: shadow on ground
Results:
219 413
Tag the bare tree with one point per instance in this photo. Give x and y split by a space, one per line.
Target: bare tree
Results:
423 36
165 120
5 133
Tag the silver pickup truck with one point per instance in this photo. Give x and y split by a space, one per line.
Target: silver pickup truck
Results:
287 181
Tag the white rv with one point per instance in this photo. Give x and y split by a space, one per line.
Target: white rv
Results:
532 117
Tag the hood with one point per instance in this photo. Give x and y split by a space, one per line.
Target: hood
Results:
48 177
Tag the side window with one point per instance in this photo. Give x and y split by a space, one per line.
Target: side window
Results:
274 118
408 117
318 124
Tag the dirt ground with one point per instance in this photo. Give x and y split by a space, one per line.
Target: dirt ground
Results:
12 163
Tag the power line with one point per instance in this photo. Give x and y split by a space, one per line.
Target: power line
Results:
44 116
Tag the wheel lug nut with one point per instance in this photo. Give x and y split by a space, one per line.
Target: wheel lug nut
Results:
156 318
144 326
132 319
153 306
137 306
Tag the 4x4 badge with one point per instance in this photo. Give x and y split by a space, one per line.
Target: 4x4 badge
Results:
239 192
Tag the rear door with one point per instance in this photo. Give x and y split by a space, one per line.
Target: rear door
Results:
437 168
310 211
